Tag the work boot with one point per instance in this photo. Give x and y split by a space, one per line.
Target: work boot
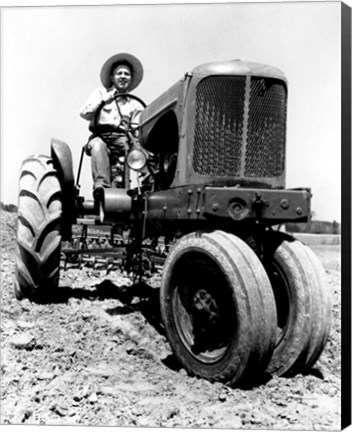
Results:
98 192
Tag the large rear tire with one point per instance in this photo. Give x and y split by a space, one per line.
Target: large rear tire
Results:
218 308
38 230
303 304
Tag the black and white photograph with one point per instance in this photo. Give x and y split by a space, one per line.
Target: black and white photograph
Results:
171 215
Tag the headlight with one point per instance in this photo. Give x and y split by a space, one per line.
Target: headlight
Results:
136 159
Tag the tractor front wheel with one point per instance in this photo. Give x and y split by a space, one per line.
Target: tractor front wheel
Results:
218 308
303 304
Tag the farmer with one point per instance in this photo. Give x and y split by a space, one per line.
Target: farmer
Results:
120 74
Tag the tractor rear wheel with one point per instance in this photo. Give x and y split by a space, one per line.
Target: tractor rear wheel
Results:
302 301
38 229
218 308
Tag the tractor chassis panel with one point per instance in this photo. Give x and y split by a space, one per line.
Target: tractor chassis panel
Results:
188 203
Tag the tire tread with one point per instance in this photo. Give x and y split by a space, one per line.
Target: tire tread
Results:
38 228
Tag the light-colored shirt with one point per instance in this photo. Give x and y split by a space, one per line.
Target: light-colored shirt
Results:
109 114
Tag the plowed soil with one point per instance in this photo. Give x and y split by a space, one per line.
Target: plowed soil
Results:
98 356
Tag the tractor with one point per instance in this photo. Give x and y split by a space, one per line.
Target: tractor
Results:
239 298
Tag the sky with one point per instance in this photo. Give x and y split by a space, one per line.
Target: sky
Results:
51 59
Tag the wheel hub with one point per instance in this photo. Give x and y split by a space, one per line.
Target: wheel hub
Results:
205 306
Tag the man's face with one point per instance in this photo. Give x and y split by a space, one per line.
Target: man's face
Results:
121 78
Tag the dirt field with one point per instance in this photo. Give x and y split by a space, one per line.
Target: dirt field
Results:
98 357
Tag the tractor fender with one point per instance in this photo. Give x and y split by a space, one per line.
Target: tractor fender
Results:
62 160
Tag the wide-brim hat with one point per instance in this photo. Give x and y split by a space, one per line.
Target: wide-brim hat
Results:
129 59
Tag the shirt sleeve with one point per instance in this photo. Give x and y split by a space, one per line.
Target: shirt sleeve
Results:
136 113
92 104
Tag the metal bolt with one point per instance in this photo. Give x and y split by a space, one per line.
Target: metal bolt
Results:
299 211
189 191
189 211
285 204
215 207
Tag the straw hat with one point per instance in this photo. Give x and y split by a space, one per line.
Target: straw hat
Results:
112 62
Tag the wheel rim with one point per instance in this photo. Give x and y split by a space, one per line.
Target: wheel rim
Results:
281 290
202 308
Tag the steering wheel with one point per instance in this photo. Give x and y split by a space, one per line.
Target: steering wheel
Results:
126 122
119 95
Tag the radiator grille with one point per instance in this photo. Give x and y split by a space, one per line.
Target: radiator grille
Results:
265 152
219 126
227 145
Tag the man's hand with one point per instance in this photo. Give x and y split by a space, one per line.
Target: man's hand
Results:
109 96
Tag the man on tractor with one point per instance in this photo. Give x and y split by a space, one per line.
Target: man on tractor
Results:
109 110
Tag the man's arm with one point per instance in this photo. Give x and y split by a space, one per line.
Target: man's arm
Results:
92 104
95 100
136 113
